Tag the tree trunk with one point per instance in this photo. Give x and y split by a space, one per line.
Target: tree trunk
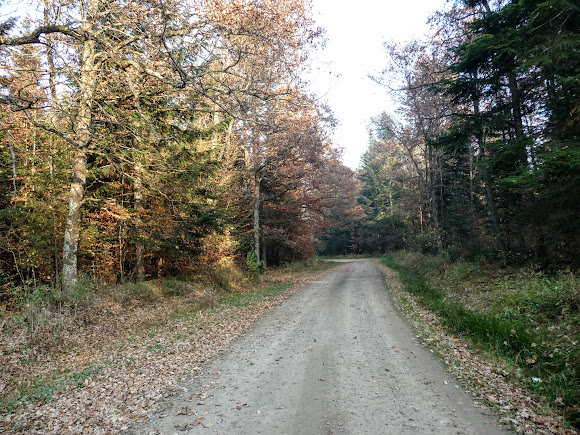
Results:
489 194
73 222
264 258
485 4
516 103
77 190
391 205
492 213
256 221
12 156
139 205
434 208
515 92
471 178
436 224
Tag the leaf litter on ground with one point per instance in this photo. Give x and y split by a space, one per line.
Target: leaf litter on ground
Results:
118 369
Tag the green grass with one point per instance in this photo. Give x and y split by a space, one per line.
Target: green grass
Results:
245 299
42 389
520 330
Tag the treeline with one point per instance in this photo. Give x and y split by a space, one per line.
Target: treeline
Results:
153 138
483 159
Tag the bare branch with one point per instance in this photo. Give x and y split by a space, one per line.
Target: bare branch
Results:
54 131
34 36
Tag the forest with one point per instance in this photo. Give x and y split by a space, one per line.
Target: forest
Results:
482 159
164 162
151 139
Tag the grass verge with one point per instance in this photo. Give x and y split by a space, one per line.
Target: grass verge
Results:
245 299
525 330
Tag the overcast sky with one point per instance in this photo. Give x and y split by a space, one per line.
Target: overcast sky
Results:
355 32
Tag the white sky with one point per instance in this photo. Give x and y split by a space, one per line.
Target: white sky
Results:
355 32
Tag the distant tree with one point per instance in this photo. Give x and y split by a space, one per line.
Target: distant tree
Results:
413 69
384 174
344 218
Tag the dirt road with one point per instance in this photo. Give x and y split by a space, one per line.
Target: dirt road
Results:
333 359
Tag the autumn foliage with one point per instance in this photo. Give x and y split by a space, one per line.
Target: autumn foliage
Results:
151 139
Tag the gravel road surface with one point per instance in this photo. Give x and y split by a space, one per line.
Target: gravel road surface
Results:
335 358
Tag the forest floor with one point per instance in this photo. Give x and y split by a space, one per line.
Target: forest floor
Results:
99 369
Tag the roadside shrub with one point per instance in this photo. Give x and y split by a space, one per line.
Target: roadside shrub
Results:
45 310
225 275
131 293
254 267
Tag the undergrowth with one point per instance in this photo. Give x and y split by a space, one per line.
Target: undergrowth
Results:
528 319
